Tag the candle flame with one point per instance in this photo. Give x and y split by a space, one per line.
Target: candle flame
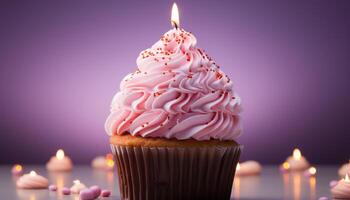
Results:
76 181
109 156
296 154
60 154
109 160
238 167
110 163
312 170
286 165
18 168
32 173
175 19
346 179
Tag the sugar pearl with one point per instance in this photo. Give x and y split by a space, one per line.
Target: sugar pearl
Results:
52 187
333 183
86 194
323 198
96 190
66 191
106 193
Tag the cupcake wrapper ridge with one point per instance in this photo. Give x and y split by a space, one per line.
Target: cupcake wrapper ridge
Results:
150 173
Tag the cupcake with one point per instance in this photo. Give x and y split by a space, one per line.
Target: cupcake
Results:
173 124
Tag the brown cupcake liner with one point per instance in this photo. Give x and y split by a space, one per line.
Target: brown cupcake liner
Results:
149 173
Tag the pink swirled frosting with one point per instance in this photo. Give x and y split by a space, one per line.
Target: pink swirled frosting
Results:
177 91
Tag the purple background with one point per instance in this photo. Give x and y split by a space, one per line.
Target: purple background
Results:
62 61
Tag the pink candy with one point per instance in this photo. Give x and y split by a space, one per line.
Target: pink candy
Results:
105 193
333 183
323 198
52 187
95 190
66 191
87 194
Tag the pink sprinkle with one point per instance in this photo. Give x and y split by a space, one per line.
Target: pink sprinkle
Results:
52 187
333 183
66 191
96 190
86 194
106 193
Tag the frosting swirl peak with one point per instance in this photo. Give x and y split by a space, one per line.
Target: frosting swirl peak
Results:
179 92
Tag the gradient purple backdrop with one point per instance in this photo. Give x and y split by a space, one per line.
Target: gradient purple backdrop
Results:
62 61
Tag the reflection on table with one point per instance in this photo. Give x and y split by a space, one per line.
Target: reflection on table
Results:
294 185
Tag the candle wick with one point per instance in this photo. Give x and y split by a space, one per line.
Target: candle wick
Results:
175 25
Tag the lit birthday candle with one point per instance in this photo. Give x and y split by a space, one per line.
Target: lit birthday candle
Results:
17 170
297 162
77 187
310 172
342 189
175 19
103 162
344 169
60 162
285 167
110 162
99 162
32 181
248 168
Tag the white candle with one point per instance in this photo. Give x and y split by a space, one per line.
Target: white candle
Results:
297 162
285 167
77 187
32 181
248 168
101 162
17 170
344 169
110 162
60 162
311 172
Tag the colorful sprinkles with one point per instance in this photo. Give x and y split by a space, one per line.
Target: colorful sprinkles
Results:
163 54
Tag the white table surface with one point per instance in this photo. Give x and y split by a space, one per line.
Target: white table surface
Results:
270 185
